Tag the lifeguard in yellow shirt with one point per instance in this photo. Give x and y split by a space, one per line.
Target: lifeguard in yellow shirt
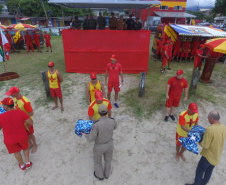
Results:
55 79
92 86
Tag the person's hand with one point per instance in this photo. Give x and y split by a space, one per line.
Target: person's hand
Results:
83 133
167 97
106 83
185 98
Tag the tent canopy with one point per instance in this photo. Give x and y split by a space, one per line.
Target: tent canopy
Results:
175 14
194 30
120 4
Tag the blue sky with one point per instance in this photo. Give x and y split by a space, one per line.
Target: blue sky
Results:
201 3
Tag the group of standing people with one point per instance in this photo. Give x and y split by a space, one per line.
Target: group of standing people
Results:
169 50
114 23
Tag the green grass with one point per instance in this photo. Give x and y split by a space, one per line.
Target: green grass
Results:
155 88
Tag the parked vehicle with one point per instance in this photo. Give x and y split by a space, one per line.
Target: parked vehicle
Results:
18 36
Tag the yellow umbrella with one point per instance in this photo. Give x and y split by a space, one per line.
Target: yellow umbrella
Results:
21 26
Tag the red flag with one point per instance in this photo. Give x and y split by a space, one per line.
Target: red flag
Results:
6 45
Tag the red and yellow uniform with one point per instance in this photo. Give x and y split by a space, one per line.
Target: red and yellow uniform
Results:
37 39
54 85
15 135
93 89
113 80
198 59
28 39
170 48
164 58
94 106
25 105
195 47
160 46
48 37
175 91
186 46
185 120
176 51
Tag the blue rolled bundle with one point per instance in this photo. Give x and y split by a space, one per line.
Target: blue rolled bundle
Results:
83 126
194 135
2 110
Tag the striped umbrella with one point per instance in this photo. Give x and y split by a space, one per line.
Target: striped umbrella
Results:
217 45
3 27
21 26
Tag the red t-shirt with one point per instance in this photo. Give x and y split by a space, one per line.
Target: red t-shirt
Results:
47 37
36 37
177 45
12 123
197 58
160 43
195 45
176 87
113 71
186 45
165 48
28 38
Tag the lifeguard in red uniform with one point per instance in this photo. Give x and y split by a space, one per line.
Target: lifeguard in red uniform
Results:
37 41
29 44
48 43
159 48
176 51
9 38
195 47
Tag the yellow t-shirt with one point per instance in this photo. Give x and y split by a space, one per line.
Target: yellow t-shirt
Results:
23 104
93 89
94 106
186 120
213 143
53 80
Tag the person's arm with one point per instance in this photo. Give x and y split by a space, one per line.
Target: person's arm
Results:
88 94
167 91
30 113
29 122
109 113
92 135
185 128
92 118
47 75
122 81
103 90
186 94
59 76
106 78
166 54
207 139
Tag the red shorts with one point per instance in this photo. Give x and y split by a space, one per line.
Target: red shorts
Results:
164 61
197 63
48 44
115 85
170 57
159 51
172 102
184 54
17 147
56 92
30 130
193 52
37 43
177 139
176 52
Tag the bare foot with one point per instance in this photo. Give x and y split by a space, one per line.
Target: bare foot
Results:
62 109
177 156
54 107
34 149
182 157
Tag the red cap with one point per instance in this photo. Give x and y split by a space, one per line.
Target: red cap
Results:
93 76
113 57
13 90
98 95
202 46
7 101
193 107
51 64
180 72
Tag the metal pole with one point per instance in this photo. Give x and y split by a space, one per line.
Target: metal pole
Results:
148 18
220 73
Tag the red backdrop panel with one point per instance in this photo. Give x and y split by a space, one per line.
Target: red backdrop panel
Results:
89 51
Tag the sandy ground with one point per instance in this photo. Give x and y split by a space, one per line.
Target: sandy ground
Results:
143 155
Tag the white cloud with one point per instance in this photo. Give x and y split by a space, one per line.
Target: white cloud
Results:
201 3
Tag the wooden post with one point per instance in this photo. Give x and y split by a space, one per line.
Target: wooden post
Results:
142 84
208 69
45 83
194 82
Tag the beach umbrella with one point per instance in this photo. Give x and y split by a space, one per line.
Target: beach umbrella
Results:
217 45
21 26
3 27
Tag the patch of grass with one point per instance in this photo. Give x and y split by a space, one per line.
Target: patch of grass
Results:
155 88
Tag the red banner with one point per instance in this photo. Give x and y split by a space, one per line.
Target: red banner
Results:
89 51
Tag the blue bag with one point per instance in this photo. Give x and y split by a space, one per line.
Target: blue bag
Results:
194 135
83 126
2 110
